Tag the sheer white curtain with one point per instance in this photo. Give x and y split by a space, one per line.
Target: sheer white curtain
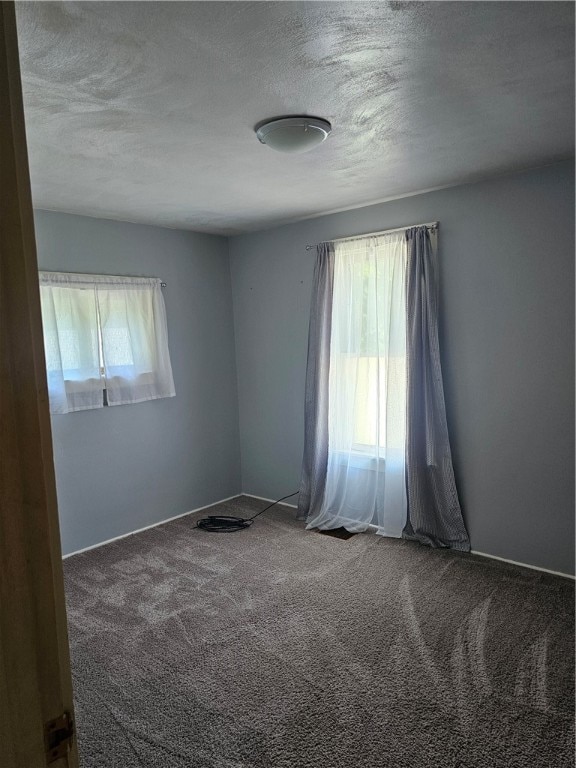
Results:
103 332
365 482
134 341
71 345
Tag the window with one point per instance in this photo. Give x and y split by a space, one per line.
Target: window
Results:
365 370
105 340
368 348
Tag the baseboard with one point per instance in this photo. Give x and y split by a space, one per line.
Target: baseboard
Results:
263 498
153 525
523 565
293 506
472 552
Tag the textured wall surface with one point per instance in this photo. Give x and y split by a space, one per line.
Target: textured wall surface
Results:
146 111
119 469
507 336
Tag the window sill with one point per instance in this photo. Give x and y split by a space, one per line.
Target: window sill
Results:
366 462
359 460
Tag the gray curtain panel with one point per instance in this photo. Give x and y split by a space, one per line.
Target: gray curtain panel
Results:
434 514
315 459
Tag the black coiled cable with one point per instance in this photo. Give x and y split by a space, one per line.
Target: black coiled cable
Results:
229 524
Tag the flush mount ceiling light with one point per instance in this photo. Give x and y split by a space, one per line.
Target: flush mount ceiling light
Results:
294 134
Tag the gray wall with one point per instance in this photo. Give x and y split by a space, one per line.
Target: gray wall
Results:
119 469
507 335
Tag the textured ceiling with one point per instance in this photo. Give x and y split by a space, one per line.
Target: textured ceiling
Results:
146 111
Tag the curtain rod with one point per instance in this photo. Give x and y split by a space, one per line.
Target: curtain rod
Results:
430 225
89 274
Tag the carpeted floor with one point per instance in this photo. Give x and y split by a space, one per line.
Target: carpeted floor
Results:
276 647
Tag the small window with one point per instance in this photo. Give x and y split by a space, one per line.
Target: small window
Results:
105 340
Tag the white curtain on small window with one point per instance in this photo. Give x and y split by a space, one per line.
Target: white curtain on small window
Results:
104 333
365 481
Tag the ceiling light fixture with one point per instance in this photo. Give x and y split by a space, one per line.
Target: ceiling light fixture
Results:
294 134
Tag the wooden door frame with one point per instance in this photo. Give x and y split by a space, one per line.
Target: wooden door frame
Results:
35 680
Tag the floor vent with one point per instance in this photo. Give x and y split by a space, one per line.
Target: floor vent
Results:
338 533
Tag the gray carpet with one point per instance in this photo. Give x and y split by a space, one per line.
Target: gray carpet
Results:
276 647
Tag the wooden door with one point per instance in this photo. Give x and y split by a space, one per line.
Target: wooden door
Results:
35 682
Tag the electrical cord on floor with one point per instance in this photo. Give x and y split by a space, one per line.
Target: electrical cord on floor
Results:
229 524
